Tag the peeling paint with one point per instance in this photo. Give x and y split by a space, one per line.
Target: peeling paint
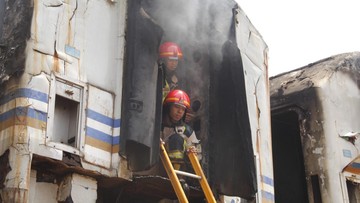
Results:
312 140
318 150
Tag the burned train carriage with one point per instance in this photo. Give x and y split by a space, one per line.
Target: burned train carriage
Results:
80 99
315 124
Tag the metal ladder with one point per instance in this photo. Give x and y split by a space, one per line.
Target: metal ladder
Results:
172 173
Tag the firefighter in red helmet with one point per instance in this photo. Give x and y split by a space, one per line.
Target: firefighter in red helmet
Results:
177 135
169 55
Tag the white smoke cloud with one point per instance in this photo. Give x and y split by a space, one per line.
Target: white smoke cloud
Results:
196 25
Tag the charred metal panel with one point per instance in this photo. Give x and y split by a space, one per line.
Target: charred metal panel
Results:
232 155
326 97
141 110
15 21
290 136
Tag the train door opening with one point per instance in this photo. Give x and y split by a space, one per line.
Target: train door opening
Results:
288 160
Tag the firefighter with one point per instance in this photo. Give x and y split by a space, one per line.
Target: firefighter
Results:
169 55
177 135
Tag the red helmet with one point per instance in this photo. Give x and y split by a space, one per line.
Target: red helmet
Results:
170 50
178 97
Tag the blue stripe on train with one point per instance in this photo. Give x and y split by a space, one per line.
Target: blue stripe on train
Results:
24 111
24 92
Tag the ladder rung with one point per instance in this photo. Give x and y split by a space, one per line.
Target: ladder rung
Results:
187 174
199 174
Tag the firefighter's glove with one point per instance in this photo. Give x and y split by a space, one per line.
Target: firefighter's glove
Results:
191 149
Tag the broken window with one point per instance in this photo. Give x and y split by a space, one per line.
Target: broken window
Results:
65 114
65 118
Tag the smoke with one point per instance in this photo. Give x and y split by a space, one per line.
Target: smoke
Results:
205 30
199 27
190 20
177 18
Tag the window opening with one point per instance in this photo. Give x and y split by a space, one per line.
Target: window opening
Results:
66 118
65 115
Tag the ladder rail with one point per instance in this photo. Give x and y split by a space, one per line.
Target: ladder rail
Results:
203 182
172 175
